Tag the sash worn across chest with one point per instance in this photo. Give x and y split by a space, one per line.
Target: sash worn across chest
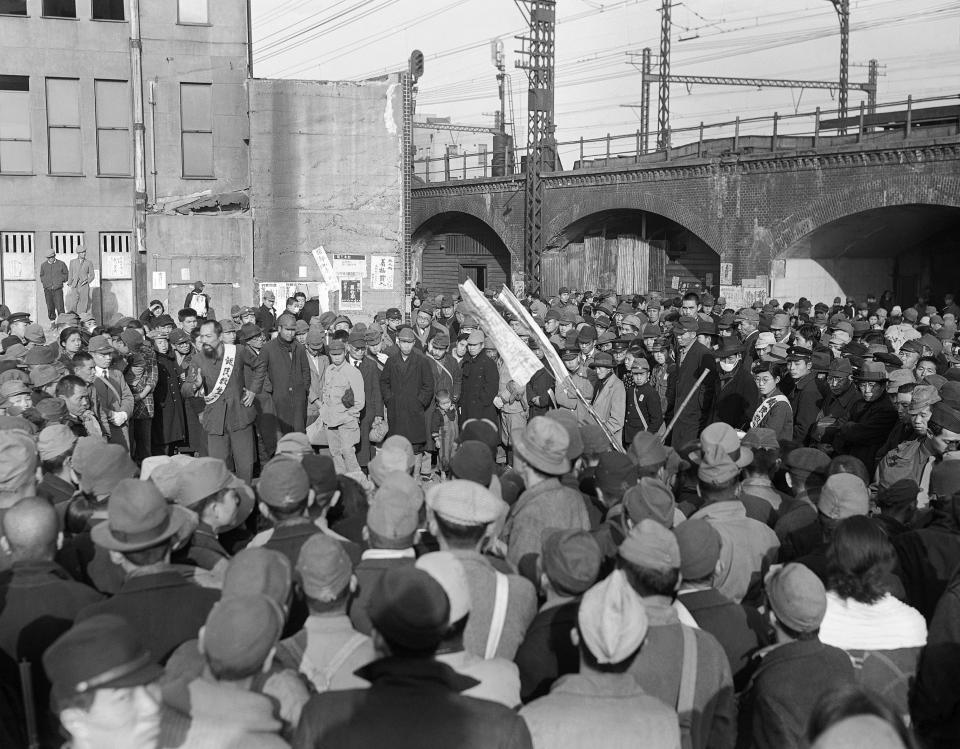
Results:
761 413
226 369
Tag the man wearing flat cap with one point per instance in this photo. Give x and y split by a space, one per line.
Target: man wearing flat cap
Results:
413 700
693 358
163 607
701 691
481 382
603 705
288 375
407 387
53 275
871 420
798 670
447 377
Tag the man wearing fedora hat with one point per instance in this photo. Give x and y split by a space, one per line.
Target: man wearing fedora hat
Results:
155 599
871 420
737 394
540 453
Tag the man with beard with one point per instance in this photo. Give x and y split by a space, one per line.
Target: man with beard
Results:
229 413
289 371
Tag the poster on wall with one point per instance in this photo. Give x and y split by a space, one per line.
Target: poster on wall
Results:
281 290
350 294
726 274
350 265
381 272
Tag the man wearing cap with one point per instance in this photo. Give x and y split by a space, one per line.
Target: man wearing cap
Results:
609 396
643 412
871 420
53 275
414 700
55 445
342 398
447 376
798 670
199 302
749 546
141 373
105 686
603 705
17 325
424 326
562 301
737 394
701 691
739 629
367 360
693 358
838 404
805 397
462 515
747 322
228 378
288 375
481 382
79 277
114 401
541 458
406 384
568 565
156 600
265 316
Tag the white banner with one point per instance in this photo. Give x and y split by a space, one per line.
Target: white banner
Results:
381 272
327 275
520 361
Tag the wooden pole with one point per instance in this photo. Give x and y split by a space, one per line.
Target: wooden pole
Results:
683 405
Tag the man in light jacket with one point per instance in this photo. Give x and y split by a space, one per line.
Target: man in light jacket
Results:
341 401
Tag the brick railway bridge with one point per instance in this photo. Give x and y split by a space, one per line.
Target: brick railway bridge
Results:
817 213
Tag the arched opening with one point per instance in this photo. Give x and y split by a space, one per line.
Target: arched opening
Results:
905 248
632 252
452 247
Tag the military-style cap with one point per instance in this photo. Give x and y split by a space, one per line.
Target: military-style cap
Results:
240 632
464 502
40 355
19 317
394 314
699 545
259 570
410 608
808 460
283 482
100 344
612 619
324 567
473 461
570 559
406 334
651 546
843 495
797 597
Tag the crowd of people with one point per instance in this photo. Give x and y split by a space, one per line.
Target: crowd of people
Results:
720 528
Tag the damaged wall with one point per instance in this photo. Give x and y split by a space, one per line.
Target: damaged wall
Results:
325 166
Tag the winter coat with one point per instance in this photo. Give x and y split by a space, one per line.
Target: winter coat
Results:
168 414
407 388
805 400
641 401
372 406
696 414
610 402
737 398
447 377
869 427
481 382
289 374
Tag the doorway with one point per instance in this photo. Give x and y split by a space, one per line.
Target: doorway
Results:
476 273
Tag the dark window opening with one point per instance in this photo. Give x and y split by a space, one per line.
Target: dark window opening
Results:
13 7
60 8
107 10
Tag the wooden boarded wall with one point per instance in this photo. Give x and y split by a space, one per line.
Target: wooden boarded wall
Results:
627 264
445 256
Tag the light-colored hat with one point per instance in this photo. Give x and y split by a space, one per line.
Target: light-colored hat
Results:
543 444
464 502
612 619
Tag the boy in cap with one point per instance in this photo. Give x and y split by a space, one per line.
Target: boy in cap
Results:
643 408
462 516
342 398
391 531
541 458
568 565
795 672
265 316
104 685
164 607
414 700
328 650
238 642
602 705
650 559
739 629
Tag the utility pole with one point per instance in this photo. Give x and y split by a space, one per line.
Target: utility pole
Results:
843 12
663 100
497 57
537 50
138 259
645 71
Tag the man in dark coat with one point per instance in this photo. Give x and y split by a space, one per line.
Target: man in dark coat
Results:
364 347
737 395
229 413
805 397
406 384
169 427
539 399
265 316
163 607
413 700
693 358
872 419
481 382
53 275
289 372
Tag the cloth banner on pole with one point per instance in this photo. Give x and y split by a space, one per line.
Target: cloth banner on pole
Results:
520 361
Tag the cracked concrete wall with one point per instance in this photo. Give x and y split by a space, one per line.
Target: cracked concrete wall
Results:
325 169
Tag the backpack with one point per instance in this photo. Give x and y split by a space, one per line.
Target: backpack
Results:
293 651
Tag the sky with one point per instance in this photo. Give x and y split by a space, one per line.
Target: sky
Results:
917 43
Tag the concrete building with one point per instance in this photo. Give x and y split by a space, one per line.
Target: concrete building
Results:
229 198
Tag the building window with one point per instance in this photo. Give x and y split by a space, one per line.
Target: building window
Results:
66 242
193 11
60 8
15 146
196 129
113 128
13 7
63 126
115 254
107 10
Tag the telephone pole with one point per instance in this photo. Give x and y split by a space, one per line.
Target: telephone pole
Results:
663 98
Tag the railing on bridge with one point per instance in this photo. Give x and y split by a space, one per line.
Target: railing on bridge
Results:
779 133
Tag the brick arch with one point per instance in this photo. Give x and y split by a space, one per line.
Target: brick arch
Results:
858 196
442 216
695 220
501 211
